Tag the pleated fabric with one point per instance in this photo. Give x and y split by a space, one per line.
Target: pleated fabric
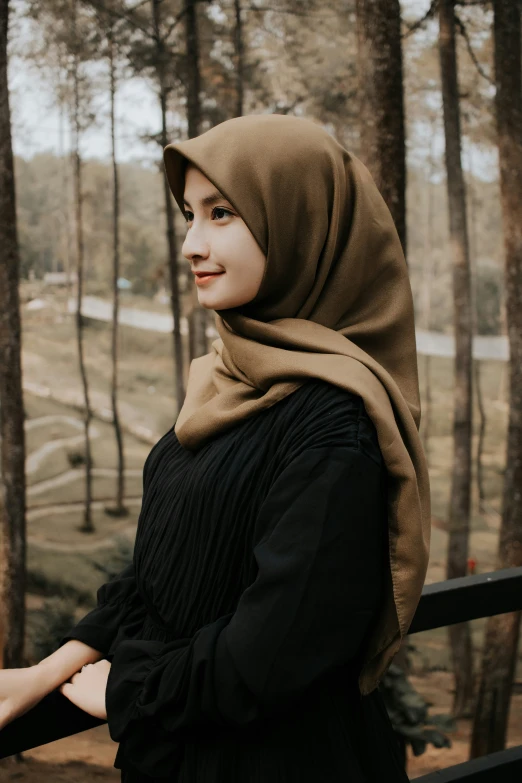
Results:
237 633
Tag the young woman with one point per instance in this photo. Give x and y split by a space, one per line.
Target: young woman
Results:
284 533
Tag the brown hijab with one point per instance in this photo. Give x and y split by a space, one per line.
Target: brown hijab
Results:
335 303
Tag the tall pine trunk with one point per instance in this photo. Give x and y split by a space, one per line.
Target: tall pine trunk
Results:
502 632
426 304
87 526
12 433
379 67
477 367
199 316
240 59
161 64
459 510
381 123
119 509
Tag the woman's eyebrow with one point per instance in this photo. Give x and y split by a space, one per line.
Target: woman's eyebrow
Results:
209 200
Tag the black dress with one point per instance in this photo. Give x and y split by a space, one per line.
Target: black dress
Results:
236 634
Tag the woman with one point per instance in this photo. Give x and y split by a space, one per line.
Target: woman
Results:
284 533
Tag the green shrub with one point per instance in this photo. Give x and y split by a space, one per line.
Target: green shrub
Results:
39 583
408 711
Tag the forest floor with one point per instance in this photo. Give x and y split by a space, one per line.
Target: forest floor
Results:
58 554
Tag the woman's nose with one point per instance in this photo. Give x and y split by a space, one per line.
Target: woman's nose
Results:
195 244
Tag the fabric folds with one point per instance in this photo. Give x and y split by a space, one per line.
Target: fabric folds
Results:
119 608
237 633
320 549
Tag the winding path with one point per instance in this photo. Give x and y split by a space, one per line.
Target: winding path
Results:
37 457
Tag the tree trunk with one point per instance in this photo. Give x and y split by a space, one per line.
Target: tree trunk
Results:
87 526
379 66
198 319
481 437
502 632
119 509
65 224
12 433
427 284
382 134
193 74
240 62
459 511
477 378
161 56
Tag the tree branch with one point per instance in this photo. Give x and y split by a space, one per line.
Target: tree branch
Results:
412 28
463 31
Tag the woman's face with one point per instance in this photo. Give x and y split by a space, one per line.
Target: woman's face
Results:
218 240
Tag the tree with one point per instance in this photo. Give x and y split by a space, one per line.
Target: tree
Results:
382 136
502 631
381 116
150 51
460 499
119 509
239 57
75 43
12 433
198 316
161 61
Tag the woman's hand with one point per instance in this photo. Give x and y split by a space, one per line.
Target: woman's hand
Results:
20 690
86 688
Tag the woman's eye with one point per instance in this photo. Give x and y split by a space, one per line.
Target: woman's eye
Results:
221 209
218 212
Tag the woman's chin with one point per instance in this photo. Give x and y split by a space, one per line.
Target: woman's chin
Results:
214 302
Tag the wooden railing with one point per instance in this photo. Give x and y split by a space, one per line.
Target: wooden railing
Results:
455 601
441 604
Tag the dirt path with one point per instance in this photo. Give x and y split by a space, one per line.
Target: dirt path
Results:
35 459
33 462
76 474
100 406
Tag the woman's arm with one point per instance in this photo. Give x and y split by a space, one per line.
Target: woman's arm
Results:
64 662
21 689
89 641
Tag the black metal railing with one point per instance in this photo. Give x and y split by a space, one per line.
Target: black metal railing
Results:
441 604
455 601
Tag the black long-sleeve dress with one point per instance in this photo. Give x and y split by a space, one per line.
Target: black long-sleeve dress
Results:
237 632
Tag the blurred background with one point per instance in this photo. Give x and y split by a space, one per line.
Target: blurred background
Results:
99 318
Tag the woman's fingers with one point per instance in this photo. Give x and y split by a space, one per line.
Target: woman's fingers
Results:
86 688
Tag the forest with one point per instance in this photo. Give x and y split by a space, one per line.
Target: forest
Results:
99 319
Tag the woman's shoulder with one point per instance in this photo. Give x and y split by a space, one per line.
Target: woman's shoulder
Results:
323 414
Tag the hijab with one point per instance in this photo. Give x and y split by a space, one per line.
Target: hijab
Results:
335 303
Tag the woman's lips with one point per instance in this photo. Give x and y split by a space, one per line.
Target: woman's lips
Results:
200 279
